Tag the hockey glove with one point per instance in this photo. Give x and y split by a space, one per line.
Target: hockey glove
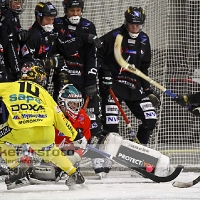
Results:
80 140
91 90
195 110
63 79
153 96
23 35
56 61
87 37
182 100
107 80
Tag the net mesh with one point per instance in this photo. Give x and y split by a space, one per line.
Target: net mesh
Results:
173 28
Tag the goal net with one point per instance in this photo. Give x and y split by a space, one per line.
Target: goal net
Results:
173 27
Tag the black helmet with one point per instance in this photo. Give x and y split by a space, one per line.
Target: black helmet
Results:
45 9
34 71
2 3
135 15
72 3
16 6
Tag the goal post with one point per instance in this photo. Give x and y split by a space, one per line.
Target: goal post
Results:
174 28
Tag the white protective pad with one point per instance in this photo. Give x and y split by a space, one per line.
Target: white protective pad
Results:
114 142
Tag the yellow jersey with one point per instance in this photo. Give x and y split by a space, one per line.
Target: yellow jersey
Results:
29 105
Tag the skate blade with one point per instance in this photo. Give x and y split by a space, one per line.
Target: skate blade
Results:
24 182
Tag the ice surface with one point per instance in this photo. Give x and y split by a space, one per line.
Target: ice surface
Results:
117 186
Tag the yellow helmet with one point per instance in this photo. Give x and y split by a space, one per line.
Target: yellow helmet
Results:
34 71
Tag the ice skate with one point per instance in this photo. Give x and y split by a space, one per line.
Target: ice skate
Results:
98 167
75 178
16 178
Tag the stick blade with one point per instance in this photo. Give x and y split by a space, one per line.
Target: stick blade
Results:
186 185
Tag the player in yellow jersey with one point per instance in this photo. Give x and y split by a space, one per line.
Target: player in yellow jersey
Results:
32 118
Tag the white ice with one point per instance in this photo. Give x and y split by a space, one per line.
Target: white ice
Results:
118 186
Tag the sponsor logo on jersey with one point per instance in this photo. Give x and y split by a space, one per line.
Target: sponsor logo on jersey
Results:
84 23
146 106
112 109
25 50
112 120
30 121
23 106
4 131
27 116
93 125
130 51
22 97
16 117
150 115
92 116
131 41
70 27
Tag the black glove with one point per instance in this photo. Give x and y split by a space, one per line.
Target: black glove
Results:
91 90
23 35
3 74
87 37
195 110
63 79
107 79
56 61
153 96
182 100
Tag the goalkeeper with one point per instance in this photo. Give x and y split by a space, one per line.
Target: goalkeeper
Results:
191 101
33 114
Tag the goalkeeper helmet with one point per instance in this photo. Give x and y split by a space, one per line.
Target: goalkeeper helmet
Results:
34 71
70 101
134 15
16 6
72 3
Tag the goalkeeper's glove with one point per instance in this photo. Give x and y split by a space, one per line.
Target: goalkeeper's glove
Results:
80 140
56 61
182 100
153 96
87 37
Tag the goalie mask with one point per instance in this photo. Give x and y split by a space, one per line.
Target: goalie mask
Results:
34 71
16 6
134 19
70 101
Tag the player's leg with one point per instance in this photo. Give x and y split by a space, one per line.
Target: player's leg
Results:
110 124
144 111
17 174
47 150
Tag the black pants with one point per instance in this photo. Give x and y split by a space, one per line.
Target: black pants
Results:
142 110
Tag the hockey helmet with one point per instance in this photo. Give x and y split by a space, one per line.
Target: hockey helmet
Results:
34 71
2 3
16 6
45 9
72 3
135 15
70 101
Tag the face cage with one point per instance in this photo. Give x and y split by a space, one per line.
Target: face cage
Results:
73 112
